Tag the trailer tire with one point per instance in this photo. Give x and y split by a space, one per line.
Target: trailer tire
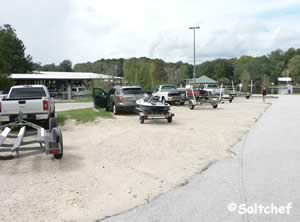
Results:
142 119
59 140
215 106
170 119
191 105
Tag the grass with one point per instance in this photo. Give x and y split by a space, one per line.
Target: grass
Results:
82 115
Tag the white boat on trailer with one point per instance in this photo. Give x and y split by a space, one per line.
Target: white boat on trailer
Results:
151 108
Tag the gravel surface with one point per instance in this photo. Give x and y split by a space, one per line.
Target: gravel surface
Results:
113 165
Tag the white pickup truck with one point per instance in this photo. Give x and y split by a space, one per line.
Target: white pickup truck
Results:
33 102
168 93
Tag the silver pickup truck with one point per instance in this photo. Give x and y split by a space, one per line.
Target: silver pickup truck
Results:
33 102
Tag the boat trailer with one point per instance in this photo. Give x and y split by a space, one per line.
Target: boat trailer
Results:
21 135
202 97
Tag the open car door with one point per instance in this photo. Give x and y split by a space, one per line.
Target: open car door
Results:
100 98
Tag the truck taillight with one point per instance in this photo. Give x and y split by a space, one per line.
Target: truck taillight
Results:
45 105
119 98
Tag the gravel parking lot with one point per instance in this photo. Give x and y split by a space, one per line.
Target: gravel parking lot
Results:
115 164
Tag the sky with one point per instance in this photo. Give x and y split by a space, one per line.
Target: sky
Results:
89 30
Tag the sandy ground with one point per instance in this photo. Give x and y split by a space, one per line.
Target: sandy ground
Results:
116 164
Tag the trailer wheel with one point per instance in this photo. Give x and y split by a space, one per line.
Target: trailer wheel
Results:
215 106
191 105
59 140
170 119
52 123
142 119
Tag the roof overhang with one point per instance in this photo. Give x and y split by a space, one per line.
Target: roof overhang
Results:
61 76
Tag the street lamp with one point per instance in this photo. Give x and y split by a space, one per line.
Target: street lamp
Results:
194 29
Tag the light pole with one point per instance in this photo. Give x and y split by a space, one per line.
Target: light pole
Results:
194 29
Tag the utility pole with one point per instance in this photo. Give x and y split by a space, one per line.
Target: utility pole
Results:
194 72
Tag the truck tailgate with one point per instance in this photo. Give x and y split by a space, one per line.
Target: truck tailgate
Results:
25 106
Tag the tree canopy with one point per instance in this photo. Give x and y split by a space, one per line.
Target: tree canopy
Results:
12 55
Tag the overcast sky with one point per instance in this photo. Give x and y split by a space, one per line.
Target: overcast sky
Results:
88 30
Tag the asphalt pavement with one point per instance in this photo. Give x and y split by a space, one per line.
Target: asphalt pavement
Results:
260 183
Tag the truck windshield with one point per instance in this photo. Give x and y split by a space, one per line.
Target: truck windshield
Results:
168 88
27 93
133 91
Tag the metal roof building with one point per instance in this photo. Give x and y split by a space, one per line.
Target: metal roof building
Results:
201 80
43 75
62 81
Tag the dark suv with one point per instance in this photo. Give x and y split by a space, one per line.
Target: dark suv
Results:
119 98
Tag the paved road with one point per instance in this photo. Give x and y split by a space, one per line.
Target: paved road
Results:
71 106
265 170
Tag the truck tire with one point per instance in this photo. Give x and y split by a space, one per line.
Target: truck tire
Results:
191 105
170 119
230 100
53 114
248 97
52 123
45 124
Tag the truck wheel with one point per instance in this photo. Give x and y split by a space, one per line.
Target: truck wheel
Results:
191 105
247 97
52 123
230 100
60 143
115 109
215 106
142 119
169 119
53 114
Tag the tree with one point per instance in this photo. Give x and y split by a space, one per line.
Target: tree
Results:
65 66
12 55
294 68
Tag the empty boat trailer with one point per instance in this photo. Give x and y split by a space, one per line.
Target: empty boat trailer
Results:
25 136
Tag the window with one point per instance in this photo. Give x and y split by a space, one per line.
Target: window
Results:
27 93
168 88
133 91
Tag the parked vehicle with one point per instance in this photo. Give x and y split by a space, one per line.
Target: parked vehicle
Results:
79 91
33 102
198 96
119 98
169 93
151 108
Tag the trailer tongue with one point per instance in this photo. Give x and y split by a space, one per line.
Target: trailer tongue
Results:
25 136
